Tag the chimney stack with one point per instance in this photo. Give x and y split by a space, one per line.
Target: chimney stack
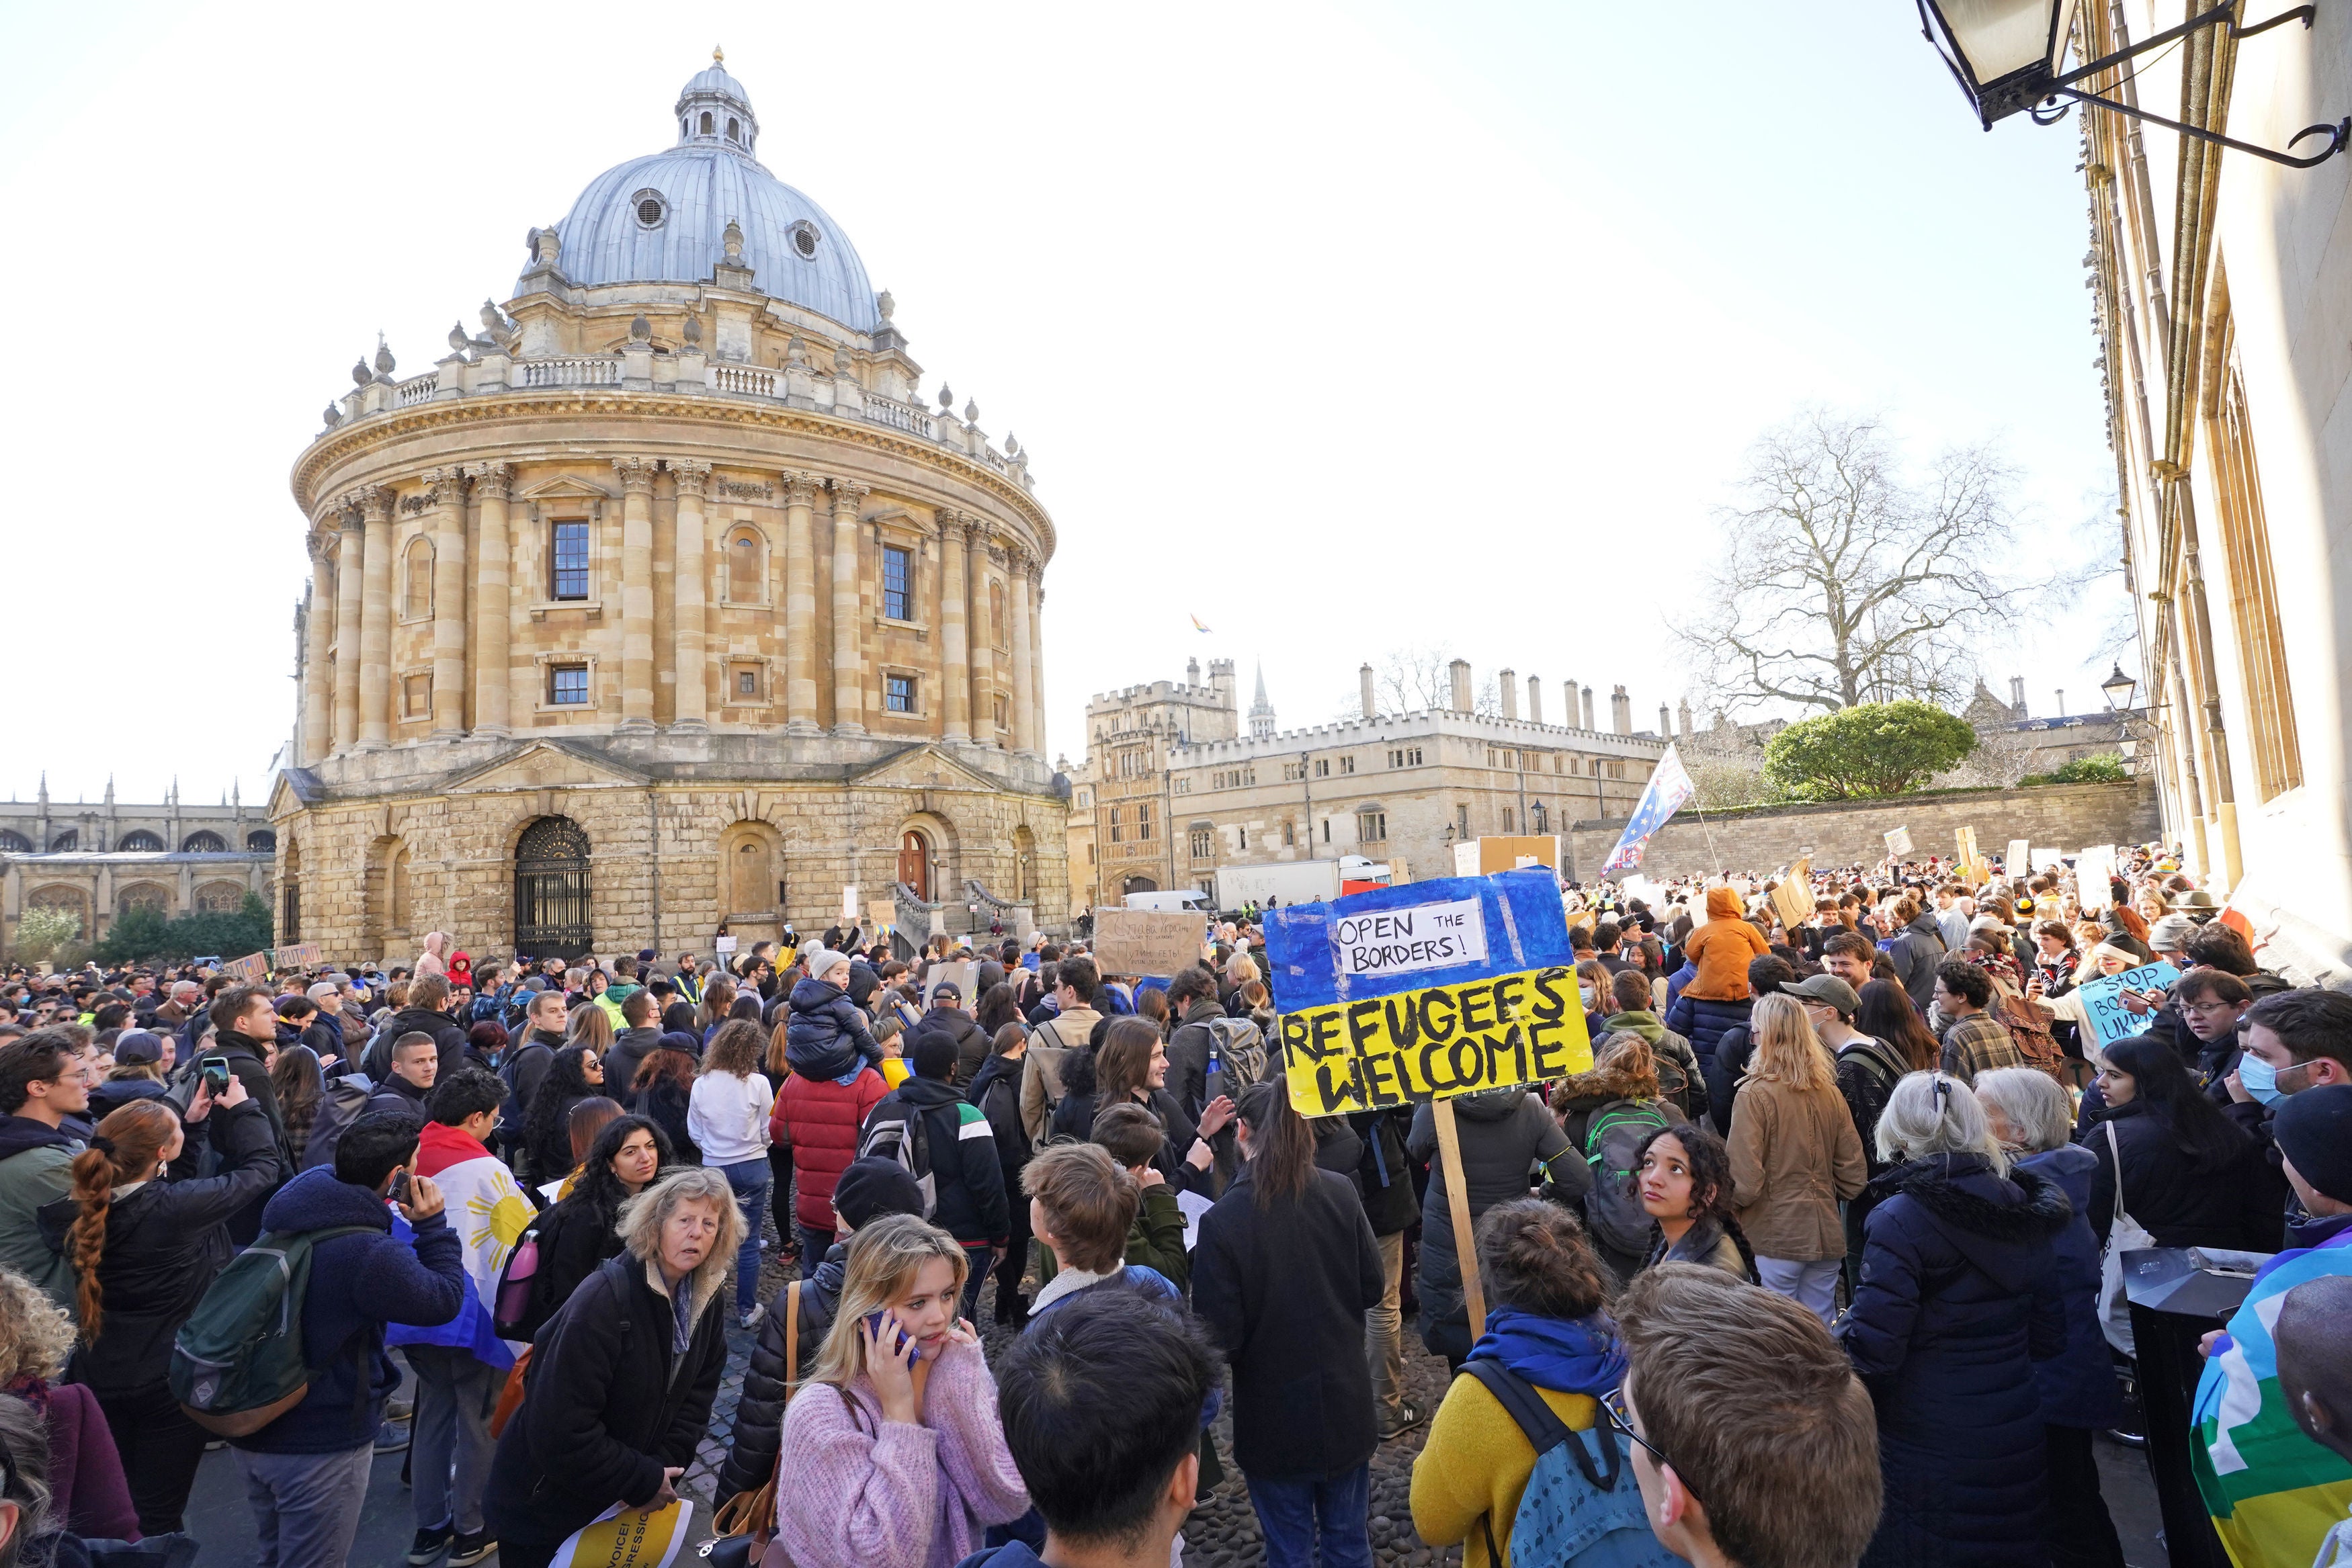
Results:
1364 691
1192 672
1535 700
1621 711
1587 708
1508 680
1666 722
1684 713
2017 696
1458 674
2062 701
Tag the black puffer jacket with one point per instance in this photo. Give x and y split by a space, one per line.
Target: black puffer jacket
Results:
826 1033
164 1243
753 1446
2239 1205
1508 1137
447 1038
608 1405
971 1046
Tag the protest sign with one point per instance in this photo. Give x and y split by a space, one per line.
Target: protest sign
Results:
881 913
2018 859
1898 843
1966 842
849 906
964 974
1148 941
1425 992
252 969
2047 860
1793 897
1465 859
724 946
634 1538
2103 1001
295 957
1508 852
2093 870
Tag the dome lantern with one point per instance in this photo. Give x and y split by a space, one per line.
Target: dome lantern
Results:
715 111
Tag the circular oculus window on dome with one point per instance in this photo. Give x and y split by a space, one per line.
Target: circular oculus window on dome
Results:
804 237
650 208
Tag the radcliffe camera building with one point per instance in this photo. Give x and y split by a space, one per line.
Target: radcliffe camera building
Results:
665 599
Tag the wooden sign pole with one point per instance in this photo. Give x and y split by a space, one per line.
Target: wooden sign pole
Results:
1457 1203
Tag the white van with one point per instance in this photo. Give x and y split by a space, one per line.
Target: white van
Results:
1191 898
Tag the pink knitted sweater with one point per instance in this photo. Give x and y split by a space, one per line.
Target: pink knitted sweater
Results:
857 1491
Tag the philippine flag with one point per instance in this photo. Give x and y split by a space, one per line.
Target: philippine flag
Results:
1670 786
489 1213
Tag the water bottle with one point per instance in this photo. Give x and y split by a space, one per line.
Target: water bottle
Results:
1215 1084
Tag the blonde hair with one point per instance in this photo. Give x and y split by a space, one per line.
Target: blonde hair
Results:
884 1255
642 1217
1787 1049
590 1026
35 1334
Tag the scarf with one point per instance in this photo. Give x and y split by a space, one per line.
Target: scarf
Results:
1567 1355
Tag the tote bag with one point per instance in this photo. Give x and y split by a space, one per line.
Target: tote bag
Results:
2124 1234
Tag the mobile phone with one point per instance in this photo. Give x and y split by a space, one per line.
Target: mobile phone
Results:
215 1070
399 1193
874 1325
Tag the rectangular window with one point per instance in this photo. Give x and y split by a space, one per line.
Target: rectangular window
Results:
1372 827
897 600
567 685
2271 732
1201 844
415 696
1090 854
1507 819
1117 833
1000 714
1183 785
899 693
1616 770
1347 764
1555 762
1493 758
1461 821
1289 835
1292 772
571 557
1244 838
1327 830
1322 767
1143 822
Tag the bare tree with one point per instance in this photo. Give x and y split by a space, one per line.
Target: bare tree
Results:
1843 581
1412 679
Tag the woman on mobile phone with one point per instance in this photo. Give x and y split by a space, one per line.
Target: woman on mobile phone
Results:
901 1462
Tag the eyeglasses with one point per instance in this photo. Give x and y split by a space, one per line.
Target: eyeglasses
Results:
1621 1415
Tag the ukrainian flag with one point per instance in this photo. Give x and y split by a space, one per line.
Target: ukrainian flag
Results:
2273 1493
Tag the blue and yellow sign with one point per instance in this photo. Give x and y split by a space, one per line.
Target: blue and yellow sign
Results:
1425 991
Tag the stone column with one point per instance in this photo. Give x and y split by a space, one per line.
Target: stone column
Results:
637 476
350 547
800 606
691 570
493 602
448 602
1024 694
318 699
375 622
983 633
848 664
955 646
1036 588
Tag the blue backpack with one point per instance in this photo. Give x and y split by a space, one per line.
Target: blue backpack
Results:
1582 1506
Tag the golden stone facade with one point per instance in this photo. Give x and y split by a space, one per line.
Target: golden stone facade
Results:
682 562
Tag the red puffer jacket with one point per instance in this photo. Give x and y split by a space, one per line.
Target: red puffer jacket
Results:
820 1118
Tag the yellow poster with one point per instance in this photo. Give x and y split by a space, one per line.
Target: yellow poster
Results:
1525 1027
631 1538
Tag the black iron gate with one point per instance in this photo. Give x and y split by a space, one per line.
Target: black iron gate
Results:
551 891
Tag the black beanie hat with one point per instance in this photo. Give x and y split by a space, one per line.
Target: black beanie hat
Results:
869 1188
2314 1129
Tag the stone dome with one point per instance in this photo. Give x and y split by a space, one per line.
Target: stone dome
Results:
663 218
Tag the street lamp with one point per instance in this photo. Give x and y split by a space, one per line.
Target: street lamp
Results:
2119 688
2011 55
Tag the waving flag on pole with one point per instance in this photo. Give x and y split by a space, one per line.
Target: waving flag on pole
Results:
1196 623
1670 786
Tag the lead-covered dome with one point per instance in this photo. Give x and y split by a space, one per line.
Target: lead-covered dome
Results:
663 218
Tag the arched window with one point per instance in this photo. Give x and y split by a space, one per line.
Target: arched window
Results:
734 131
64 843
750 870
219 897
13 842
139 842
996 614
743 574
706 122
416 586
203 843
262 841
551 894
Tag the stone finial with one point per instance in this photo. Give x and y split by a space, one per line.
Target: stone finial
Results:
842 363
885 304
946 398
970 412
458 340
361 374
383 359
640 329
731 242
334 415
692 330
1011 444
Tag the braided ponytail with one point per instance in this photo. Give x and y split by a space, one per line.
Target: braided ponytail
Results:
125 1148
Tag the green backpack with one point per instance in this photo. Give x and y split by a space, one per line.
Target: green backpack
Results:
237 1363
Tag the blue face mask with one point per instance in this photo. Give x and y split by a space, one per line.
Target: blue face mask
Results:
2258 1078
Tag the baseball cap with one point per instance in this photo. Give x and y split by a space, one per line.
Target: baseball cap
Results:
136 1047
1827 990
948 989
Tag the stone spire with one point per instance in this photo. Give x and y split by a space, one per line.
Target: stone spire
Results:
1261 713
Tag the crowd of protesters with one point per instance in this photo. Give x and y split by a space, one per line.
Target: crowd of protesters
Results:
1807 1270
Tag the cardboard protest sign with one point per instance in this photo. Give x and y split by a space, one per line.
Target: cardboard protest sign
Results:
2103 1001
2018 859
295 957
1507 852
964 974
882 913
1792 897
1898 843
252 969
1965 841
2093 870
1427 992
1148 941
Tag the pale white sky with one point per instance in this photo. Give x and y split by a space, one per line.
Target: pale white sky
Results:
1340 325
